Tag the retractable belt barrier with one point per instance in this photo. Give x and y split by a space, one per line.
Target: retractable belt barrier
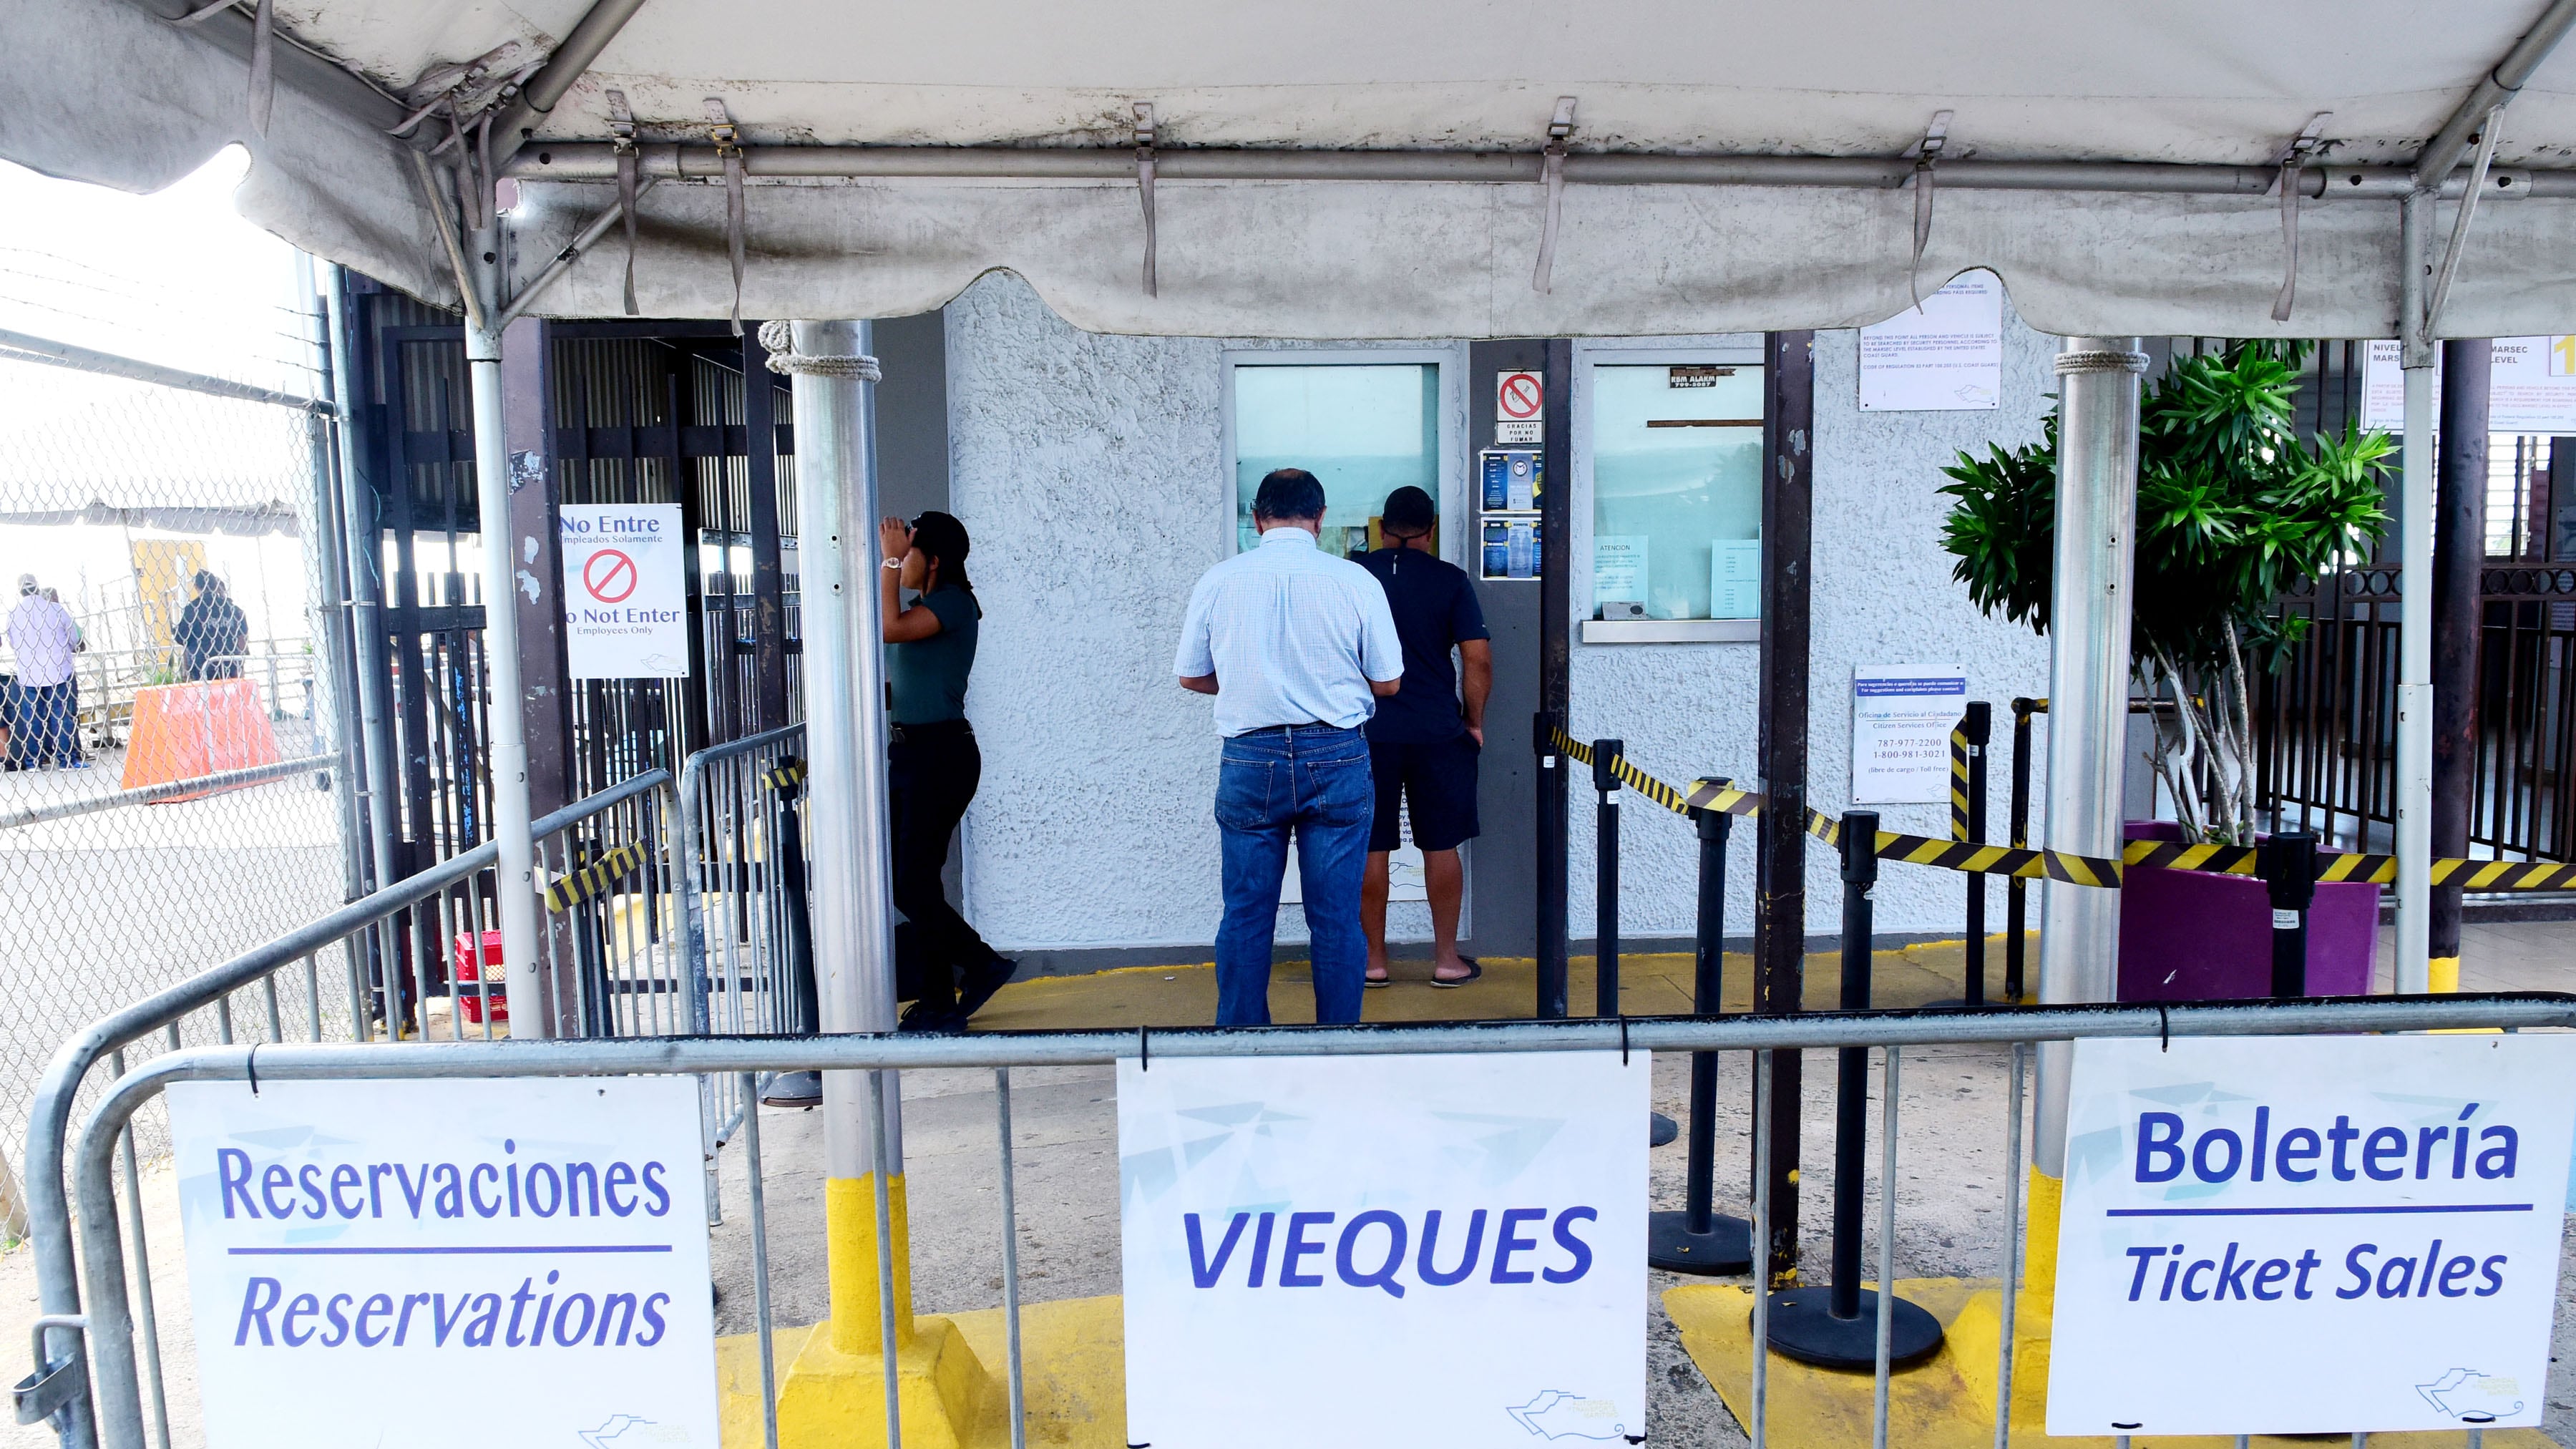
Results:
2083 870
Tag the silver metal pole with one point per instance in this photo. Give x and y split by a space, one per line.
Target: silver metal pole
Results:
1010 1262
506 751
851 881
1886 1251
760 1261
2088 689
1761 1251
2012 1255
2415 617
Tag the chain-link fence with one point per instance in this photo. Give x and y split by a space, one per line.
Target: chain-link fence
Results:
173 791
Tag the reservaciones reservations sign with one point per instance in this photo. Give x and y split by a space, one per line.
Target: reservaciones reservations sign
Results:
541 1243
2319 1235
1388 1250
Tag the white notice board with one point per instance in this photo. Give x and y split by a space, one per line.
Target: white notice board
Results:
1946 357
541 1244
2533 389
625 589
2309 1235
1902 715
1384 1250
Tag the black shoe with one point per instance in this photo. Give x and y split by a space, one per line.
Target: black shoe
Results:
924 1018
981 982
794 1089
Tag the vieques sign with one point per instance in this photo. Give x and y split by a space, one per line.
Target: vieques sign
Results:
2310 1235
1384 1250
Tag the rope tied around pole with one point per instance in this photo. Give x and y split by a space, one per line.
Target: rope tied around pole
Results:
778 339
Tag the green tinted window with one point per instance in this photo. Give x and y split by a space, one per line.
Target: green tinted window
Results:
1676 491
1363 431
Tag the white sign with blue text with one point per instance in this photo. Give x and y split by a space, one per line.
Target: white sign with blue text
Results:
2310 1235
1902 715
538 1245
626 590
1384 1250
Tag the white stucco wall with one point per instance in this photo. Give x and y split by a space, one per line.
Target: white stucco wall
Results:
1090 471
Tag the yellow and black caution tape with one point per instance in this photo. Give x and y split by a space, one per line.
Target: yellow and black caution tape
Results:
787 774
1959 781
594 879
2058 865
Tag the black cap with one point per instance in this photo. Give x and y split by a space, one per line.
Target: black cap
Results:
1408 511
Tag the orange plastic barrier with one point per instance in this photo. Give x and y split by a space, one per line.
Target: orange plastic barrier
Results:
182 731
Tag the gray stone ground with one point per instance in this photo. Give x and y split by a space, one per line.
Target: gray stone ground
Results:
1949 1215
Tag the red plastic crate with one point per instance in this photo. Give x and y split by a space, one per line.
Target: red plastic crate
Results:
467 978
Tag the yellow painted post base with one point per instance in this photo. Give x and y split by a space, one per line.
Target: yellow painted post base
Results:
2442 973
835 1400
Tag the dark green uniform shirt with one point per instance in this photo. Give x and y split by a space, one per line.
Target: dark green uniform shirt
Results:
928 676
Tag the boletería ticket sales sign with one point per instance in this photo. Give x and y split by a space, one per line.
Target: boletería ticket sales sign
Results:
2277 1235
1399 1251
397 1264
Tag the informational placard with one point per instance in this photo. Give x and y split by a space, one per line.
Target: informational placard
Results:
625 590
1520 408
2310 1235
1513 479
1902 715
1947 356
1511 548
1619 574
539 1244
2532 390
1735 578
1384 1250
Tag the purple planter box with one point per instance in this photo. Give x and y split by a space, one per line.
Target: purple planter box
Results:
2191 935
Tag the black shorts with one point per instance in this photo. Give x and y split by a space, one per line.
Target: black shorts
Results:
1437 780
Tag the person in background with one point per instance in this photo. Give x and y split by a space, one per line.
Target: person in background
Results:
212 633
933 765
1425 741
1297 646
70 720
42 636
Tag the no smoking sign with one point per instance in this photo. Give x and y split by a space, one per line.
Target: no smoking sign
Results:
1520 408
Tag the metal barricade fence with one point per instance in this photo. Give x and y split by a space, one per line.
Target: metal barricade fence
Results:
400 947
738 865
124 1366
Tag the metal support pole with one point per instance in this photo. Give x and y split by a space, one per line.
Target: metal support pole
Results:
2415 623
2017 889
1605 878
2459 559
1780 849
365 554
506 753
2288 865
2088 691
847 861
1696 1239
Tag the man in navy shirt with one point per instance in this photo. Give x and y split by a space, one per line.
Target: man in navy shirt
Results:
1425 738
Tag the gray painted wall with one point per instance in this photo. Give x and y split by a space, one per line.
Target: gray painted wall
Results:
1091 471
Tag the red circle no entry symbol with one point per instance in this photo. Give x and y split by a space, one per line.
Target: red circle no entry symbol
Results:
1520 398
610 576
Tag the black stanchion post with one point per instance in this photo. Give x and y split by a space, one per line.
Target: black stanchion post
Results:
1980 726
1837 1328
1551 844
1696 1239
1605 879
2288 865
2016 889
794 1089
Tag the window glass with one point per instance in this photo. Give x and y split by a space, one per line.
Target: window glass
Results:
1363 431
1676 491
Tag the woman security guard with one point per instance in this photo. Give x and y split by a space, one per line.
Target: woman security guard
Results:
933 765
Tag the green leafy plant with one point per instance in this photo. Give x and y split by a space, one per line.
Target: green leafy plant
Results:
2233 510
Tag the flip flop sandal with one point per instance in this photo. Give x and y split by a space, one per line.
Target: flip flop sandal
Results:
1374 982
1474 970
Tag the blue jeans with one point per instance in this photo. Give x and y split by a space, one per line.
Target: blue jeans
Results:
1313 780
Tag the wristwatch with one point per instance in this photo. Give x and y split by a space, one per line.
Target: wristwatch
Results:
893 563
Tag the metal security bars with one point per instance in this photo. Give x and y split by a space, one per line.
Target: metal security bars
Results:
124 1358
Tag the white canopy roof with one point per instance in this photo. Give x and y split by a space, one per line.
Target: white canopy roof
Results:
106 90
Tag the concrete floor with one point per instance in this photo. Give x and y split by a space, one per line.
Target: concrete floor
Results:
1950 1184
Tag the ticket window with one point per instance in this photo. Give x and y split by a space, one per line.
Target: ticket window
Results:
1675 461
1364 429
1364 423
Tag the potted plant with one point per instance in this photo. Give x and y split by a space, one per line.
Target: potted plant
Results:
2233 509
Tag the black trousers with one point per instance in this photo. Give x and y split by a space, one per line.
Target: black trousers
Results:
932 772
